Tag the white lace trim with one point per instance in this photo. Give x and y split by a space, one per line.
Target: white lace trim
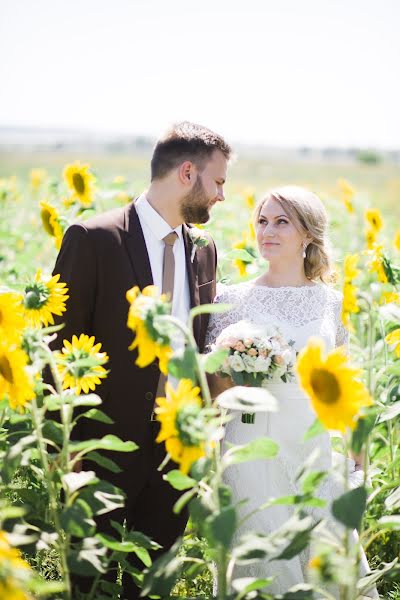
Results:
296 306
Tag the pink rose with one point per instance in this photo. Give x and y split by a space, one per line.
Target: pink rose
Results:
252 352
240 347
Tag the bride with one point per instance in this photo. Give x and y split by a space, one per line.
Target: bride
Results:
294 295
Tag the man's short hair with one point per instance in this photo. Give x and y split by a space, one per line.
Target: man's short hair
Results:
186 141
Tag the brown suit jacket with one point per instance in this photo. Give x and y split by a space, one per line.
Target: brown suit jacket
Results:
99 260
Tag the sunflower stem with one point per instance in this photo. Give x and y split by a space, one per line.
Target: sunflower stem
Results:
62 541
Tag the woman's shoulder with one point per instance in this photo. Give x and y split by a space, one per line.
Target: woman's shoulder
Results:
230 292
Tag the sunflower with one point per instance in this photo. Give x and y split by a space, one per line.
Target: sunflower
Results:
370 238
241 264
333 386
11 316
182 423
374 218
37 177
79 364
81 182
397 240
9 590
51 222
347 194
149 341
376 264
389 297
10 554
250 199
15 383
393 339
350 302
44 297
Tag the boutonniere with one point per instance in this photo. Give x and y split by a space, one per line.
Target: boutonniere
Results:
198 240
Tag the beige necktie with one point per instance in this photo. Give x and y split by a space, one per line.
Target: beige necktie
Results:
167 288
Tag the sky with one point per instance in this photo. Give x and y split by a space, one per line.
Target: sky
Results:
271 72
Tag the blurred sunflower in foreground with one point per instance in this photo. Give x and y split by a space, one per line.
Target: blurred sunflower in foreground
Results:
15 383
81 182
334 387
150 341
51 222
80 364
44 297
183 423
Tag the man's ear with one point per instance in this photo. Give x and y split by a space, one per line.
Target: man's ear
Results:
186 172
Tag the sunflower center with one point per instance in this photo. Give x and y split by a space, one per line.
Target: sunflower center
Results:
6 370
190 424
36 295
79 183
325 386
46 220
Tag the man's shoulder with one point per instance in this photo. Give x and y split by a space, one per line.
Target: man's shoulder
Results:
108 220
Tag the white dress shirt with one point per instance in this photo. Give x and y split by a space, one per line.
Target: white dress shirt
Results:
154 230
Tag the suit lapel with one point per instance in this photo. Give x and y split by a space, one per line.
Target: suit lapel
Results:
136 247
192 271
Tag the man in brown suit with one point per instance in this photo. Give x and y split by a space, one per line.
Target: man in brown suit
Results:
103 257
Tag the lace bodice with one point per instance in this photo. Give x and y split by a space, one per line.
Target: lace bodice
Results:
298 312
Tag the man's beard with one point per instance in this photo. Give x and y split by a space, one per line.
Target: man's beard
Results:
195 205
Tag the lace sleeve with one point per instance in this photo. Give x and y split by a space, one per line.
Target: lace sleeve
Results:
218 321
342 334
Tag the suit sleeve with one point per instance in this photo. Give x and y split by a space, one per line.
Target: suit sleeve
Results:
76 265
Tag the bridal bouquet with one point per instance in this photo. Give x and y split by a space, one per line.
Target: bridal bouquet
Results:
258 354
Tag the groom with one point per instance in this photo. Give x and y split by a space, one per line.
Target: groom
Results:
103 257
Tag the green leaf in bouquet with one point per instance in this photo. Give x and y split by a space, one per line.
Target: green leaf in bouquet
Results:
213 360
103 461
178 480
220 527
258 449
77 519
97 415
183 365
160 578
210 309
108 442
349 508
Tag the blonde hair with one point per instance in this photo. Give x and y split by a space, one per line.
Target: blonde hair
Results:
308 215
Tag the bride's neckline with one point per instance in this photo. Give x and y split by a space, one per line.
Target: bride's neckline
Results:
282 287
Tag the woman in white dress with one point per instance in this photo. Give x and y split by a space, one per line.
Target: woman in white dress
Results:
293 294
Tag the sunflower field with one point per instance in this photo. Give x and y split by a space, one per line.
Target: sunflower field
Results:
48 507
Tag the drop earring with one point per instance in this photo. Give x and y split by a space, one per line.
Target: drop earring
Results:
304 249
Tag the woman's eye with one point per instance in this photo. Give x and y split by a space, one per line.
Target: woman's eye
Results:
282 221
261 221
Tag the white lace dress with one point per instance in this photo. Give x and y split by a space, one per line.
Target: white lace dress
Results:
299 312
